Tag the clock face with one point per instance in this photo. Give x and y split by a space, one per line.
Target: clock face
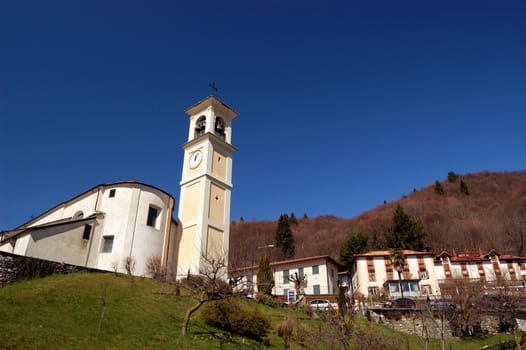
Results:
195 159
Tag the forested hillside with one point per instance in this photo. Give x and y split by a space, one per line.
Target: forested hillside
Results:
459 212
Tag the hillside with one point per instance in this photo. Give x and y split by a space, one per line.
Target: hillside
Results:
493 215
103 311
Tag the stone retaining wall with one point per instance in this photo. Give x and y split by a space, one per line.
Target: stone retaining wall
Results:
15 268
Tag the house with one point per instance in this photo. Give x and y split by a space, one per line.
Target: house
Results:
373 275
320 272
492 268
426 274
101 227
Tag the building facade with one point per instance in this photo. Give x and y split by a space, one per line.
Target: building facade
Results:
320 274
427 275
102 227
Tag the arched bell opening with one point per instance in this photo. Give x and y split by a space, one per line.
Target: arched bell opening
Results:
219 128
200 126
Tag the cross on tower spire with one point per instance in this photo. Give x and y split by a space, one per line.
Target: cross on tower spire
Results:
213 88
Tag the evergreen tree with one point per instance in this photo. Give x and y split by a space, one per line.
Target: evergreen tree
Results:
404 232
438 188
265 278
284 237
452 177
292 219
464 188
355 243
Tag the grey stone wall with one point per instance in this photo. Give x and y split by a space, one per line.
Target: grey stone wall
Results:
15 268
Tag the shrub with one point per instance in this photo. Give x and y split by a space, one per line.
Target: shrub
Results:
284 330
268 300
232 316
155 269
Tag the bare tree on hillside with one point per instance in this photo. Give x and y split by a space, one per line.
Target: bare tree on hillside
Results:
207 286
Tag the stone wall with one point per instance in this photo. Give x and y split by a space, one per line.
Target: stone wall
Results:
15 268
422 323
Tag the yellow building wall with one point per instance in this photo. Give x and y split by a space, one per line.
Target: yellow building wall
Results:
192 202
219 163
214 245
216 211
188 247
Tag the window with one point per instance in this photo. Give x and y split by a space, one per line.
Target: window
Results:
286 291
153 213
301 272
87 232
291 296
316 289
423 275
372 290
112 193
78 215
315 269
107 244
286 276
249 281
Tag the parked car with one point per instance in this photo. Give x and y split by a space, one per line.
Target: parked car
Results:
320 304
441 304
402 303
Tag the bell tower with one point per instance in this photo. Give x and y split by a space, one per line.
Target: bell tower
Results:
206 185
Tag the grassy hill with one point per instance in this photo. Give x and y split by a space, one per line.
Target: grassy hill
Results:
103 311
492 216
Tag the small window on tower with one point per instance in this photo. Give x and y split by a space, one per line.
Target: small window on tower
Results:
112 193
220 127
200 126
153 213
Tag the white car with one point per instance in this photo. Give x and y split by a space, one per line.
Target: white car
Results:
320 304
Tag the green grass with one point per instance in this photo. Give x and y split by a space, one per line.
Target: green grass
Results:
65 311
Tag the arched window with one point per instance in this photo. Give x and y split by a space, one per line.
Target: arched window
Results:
220 127
200 126
78 215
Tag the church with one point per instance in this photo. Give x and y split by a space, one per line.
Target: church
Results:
110 225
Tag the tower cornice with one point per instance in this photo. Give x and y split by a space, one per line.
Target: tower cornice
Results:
212 101
216 140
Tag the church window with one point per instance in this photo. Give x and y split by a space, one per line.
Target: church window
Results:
112 193
220 127
153 213
200 126
107 244
87 232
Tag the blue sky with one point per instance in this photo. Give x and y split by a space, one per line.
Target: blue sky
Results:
343 104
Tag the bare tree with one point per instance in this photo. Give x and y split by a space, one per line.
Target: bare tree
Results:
207 286
466 317
506 302
129 265
300 283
